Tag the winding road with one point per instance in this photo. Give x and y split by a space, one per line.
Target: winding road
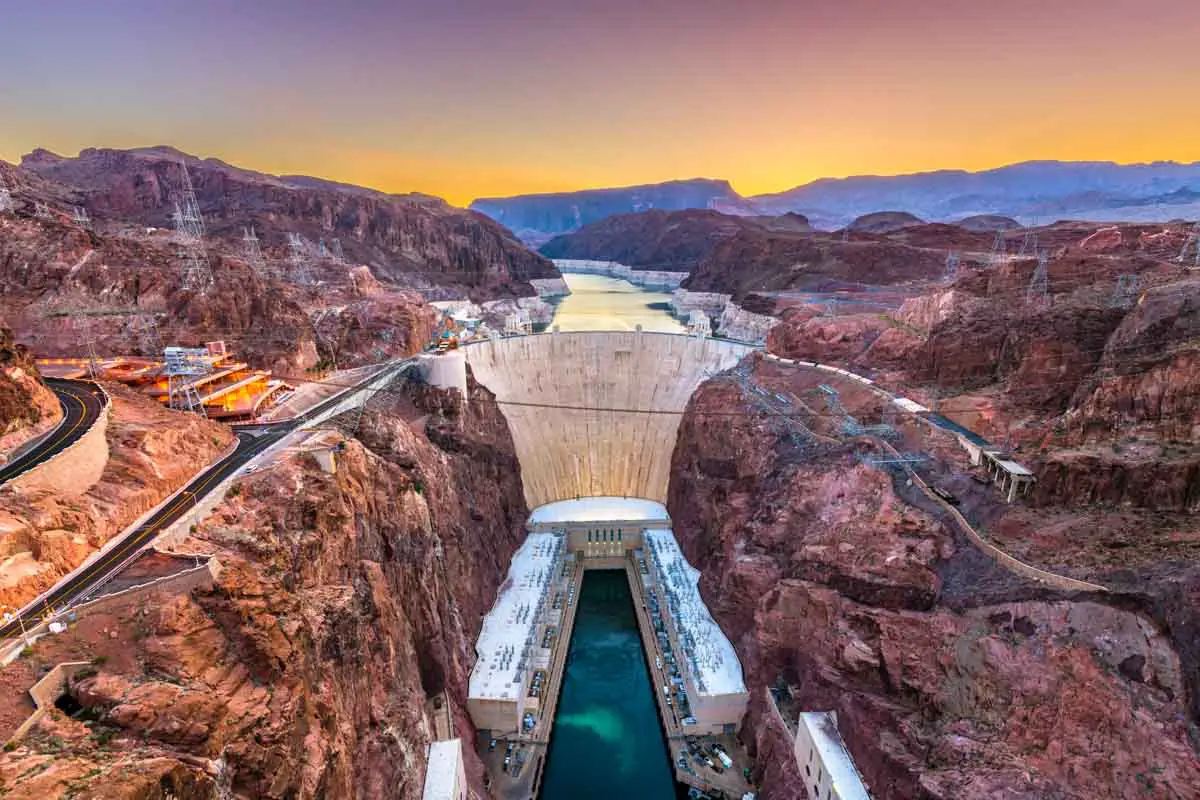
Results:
252 440
82 403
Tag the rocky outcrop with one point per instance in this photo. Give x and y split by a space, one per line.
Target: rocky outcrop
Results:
657 239
346 611
49 267
411 240
884 222
951 677
27 408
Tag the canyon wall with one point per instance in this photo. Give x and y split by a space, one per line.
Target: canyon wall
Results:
587 448
951 677
343 617
27 408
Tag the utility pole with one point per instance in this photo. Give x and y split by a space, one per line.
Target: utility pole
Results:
189 230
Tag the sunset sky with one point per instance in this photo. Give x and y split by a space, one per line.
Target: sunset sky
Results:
466 98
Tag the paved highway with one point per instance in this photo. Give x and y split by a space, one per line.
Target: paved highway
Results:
252 440
82 404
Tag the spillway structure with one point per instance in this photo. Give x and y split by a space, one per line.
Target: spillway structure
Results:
597 413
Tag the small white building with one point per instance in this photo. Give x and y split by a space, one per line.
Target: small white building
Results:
825 763
698 323
445 777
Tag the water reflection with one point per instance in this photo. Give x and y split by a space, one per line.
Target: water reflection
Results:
600 303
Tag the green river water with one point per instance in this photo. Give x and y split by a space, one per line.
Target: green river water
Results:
607 740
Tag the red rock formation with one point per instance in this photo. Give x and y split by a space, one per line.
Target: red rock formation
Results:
401 237
27 407
952 678
346 603
49 267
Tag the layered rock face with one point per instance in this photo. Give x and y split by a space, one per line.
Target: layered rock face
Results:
951 677
347 604
51 266
403 238
27 407
661 240
44 534
1084 380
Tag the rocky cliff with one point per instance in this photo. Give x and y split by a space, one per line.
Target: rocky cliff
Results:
50 267
412 240
337 636
27 407
952 678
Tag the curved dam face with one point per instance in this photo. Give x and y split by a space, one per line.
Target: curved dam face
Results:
580 450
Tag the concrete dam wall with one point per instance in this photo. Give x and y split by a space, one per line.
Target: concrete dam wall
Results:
583 450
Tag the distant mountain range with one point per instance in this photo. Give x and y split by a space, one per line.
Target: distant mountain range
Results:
1031 192
536 218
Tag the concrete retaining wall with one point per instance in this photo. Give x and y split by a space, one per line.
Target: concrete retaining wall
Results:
76 469
46 692
201 577
583 451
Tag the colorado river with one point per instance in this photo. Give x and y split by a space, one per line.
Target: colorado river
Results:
607 740
600 303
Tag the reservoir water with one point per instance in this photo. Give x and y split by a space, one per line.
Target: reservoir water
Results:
600 303
607 742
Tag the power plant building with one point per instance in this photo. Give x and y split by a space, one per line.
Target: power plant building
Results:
508 648
708 665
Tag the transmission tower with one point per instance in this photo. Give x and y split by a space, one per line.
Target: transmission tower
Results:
999 249
335 250
1029 245
83 325
952 262
1039 283
1191 244
183 366
1126 291
41 210
147 329
300 274
189 229
80 215
253 252
6 203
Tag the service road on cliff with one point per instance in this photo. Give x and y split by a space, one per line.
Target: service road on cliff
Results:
252 441
82 403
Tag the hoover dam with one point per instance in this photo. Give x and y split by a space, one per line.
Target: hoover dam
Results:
596 413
